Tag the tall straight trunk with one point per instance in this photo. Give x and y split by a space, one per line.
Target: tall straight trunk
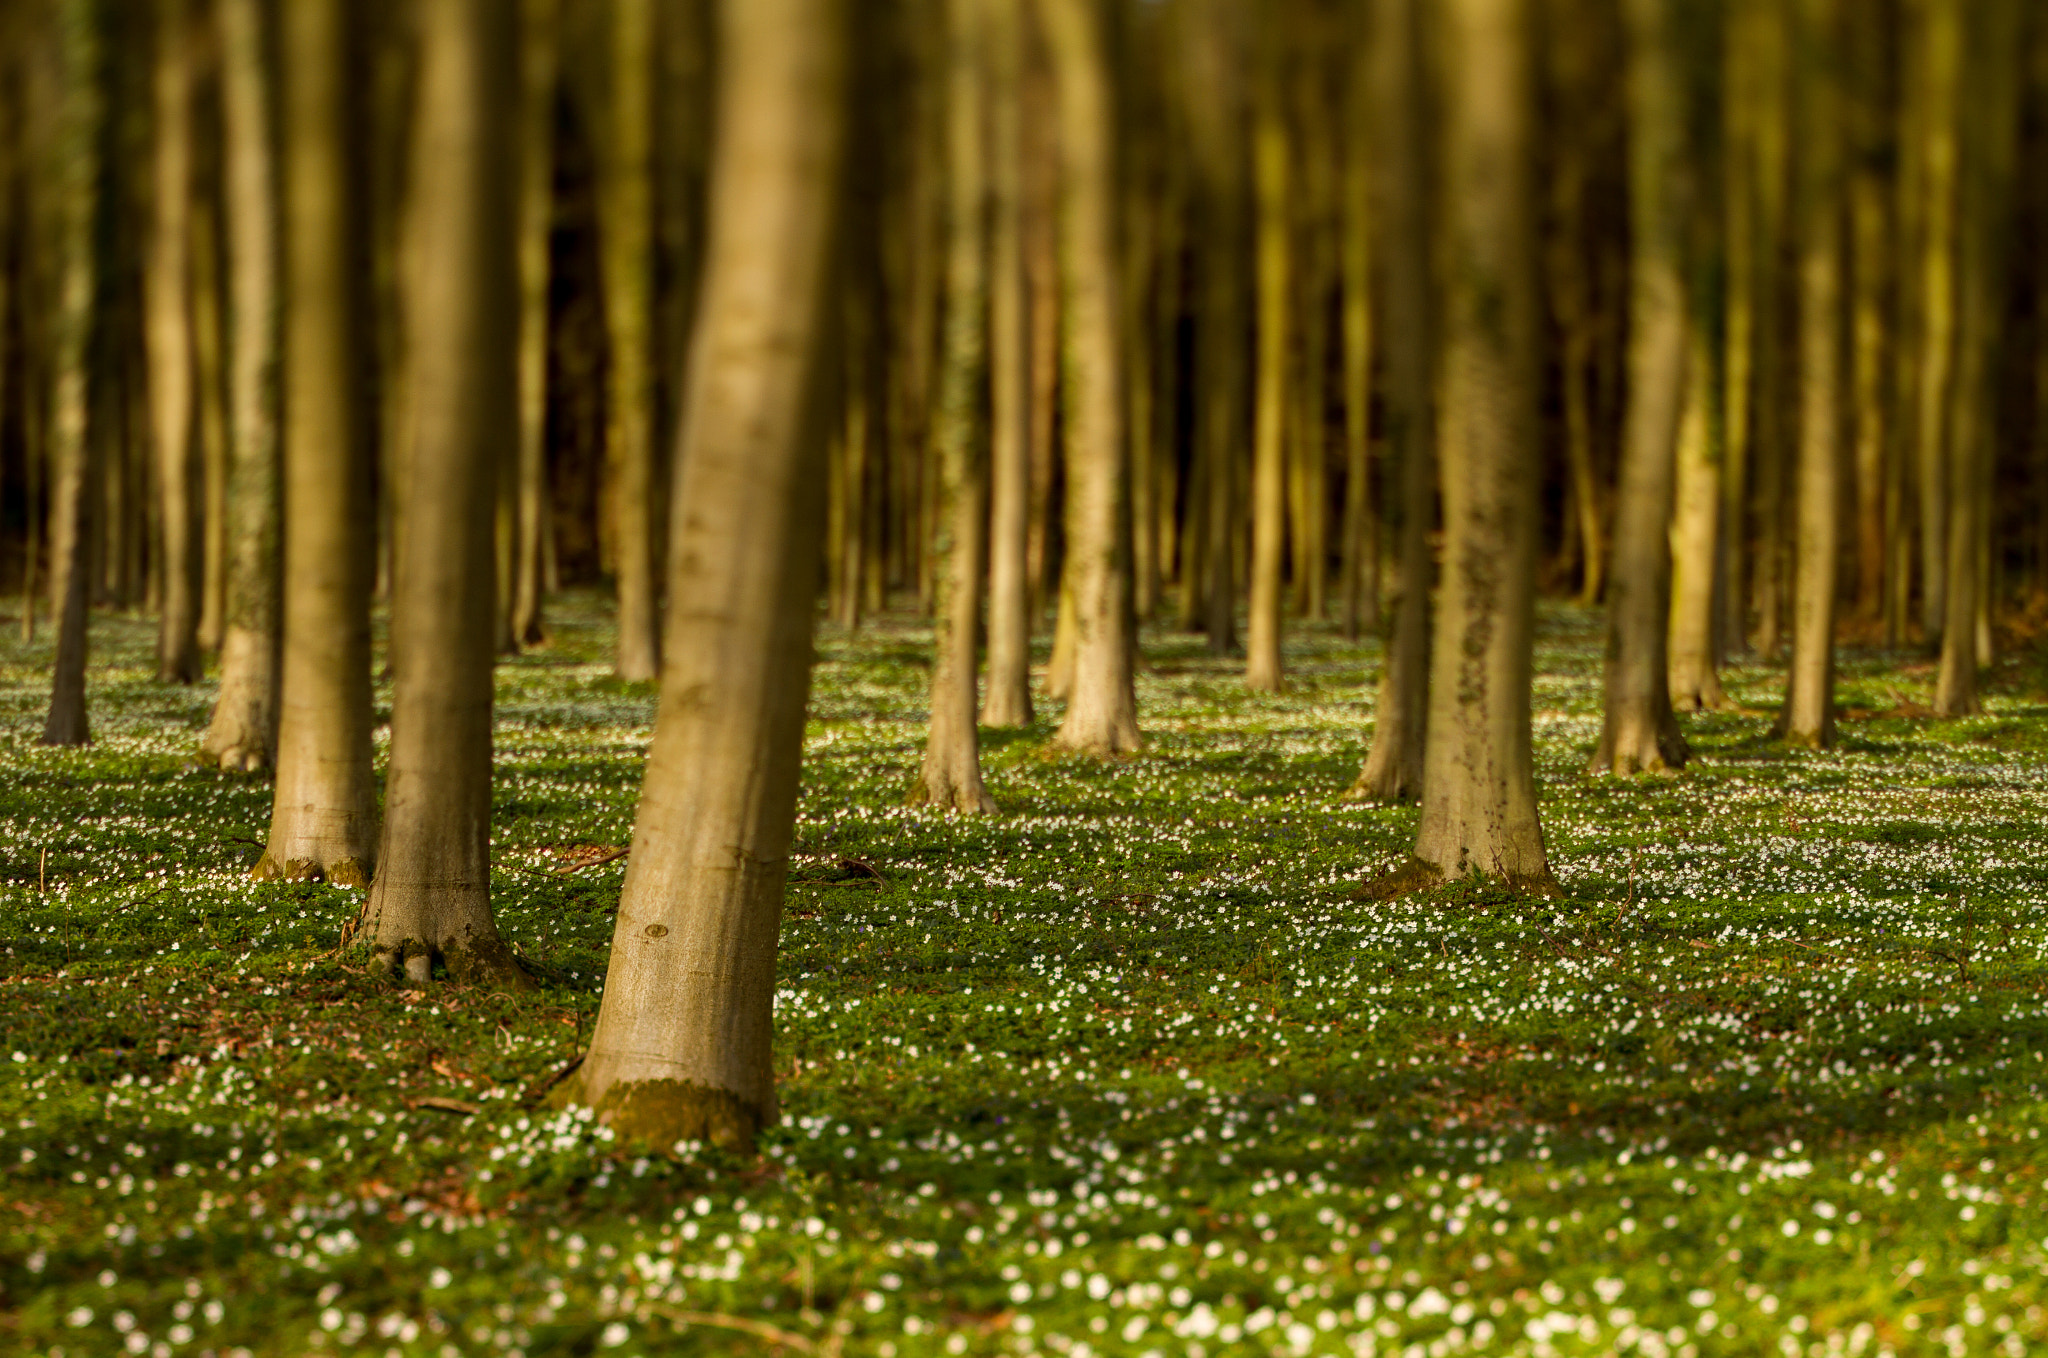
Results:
1771 423
1040 228
431 897
1393 768
1309 409
323 821
1102 709
1007 699
243 732
539 80
1695 681
950 777
1808 717
1479 813
1739 234
626 234
69 109
1273 248
1361 538
167 298
1639 733
209 340
683 1043
1141 215
1933 152
1990 123
1870 376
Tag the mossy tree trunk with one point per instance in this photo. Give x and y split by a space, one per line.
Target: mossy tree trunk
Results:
243 731
682 1048
1394 764
431 897
1102 708
167 302
1639 732
323 821
1479 813
950 777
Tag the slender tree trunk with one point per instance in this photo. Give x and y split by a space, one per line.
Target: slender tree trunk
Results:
1770 55
1269 408
69 109
683 1044
431 897
1739 216
1871 341
1102 710
324 819
1695 683
626 226
1639 734
1007 701
1361 546
168 299
1933 154
243 732
1808 718
539 83
950 777
1040 229
208 341
1394 765
1479 813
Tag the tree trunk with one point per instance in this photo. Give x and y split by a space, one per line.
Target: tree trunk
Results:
431 898
1740 235
1394 765
626 227
1695 683
208 340
1479 792
243 732
1102 709
168 299
1007 701
68 148
682 1048
1639 733
950 777
1361 545
324 819
1932 154
1770 56
539 67
1269 409
1808 717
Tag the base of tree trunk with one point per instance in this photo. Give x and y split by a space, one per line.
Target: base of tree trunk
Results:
951 792
1006 706
1641 747
1704 695
488 963
342 872
656 1114
1419 874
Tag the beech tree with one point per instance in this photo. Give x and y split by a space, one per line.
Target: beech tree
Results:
1273 251
167 296
1479 815
323 821
682 1047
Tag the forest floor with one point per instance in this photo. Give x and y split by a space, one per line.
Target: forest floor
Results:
1126 1070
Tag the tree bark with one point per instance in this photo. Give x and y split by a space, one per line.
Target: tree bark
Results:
167 297
323 821
1808 717
626 227
539 80
1932 153
1479 814
243 732
1394 764
69 108
1361 545
1102 709
682 1048
1694 678
1639 733
209 340
1274 247
1007 700
431 897
950 777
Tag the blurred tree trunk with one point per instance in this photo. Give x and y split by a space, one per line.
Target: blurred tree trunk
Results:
1479 792
626 226
540 45
683 1044
1694 680
209 339
1770 52
243 732
1361 533
168 300
1040 228
1741 246
950 777
1990 123
1872 337
1007 701
431 897
324 819
1102 714
1394 765
66 99
1934 104
1639 733
1808 717
1273 247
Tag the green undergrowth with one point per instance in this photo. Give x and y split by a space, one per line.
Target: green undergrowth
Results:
1128 1070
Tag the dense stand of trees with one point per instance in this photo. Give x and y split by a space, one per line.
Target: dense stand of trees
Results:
1039 318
